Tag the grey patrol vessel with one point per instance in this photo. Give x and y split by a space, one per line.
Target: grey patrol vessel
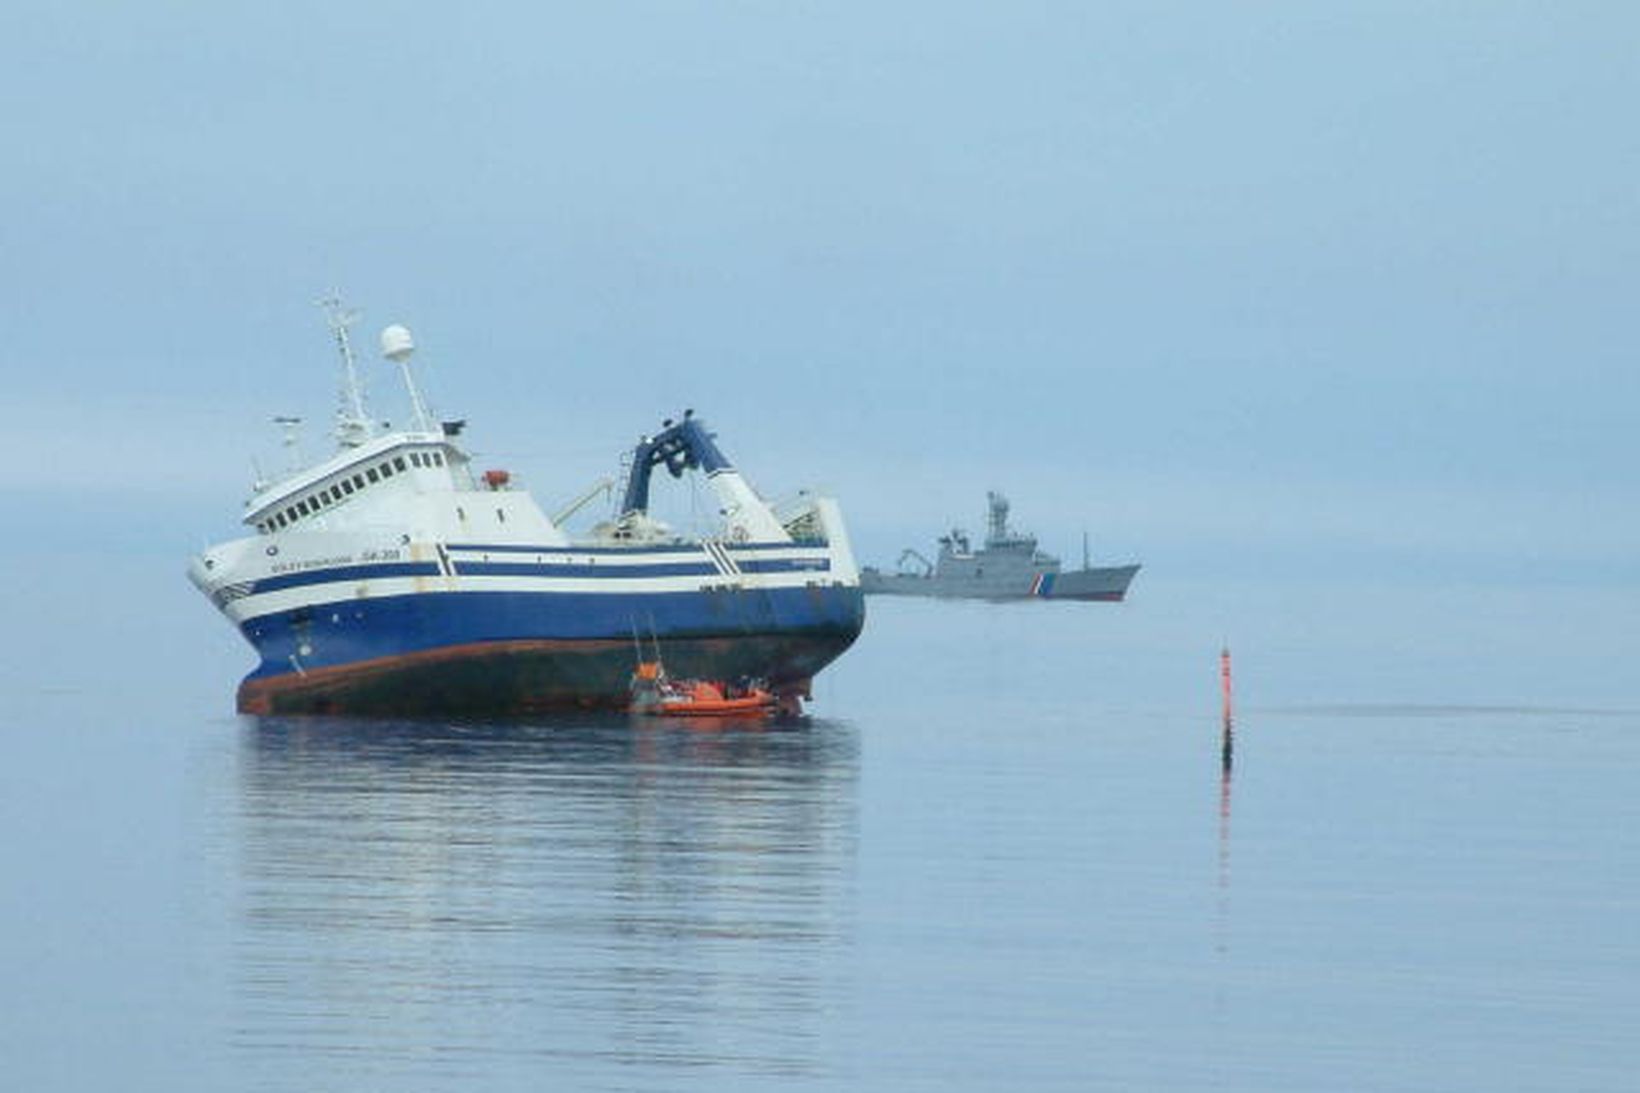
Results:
1008 567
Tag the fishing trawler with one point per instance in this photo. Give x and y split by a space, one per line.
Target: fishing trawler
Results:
396 578
1008 567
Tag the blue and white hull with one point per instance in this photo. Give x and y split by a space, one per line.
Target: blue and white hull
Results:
447 628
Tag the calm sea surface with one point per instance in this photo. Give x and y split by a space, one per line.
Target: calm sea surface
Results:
1002 854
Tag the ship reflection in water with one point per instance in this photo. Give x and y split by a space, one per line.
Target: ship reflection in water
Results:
462 899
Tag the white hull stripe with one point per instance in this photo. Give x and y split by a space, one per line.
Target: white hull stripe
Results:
684 549
340 597
721 565
720 558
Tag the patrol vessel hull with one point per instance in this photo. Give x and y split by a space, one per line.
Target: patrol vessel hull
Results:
1107 584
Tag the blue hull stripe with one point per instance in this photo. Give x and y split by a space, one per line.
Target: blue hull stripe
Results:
786 565
527 569
347 630
672 548
548 569
654 569
345 573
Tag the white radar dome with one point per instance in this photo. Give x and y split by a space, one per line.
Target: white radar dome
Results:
397 345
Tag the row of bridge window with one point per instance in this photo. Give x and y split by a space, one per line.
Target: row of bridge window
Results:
341 490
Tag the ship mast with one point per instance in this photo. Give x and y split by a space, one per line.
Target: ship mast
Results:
999 518
353 426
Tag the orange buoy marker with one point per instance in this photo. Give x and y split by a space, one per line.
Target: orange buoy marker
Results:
1228 749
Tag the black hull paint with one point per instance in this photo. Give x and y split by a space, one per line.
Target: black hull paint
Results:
510 677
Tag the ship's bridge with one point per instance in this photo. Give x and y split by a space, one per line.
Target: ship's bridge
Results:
425 459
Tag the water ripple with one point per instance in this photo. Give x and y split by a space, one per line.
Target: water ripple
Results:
662 895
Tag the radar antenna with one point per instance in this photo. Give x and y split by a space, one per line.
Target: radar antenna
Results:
397 346
353 426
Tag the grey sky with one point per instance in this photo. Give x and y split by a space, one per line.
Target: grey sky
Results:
1214 279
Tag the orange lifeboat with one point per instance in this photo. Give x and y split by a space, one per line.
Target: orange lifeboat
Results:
698 698
653 692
